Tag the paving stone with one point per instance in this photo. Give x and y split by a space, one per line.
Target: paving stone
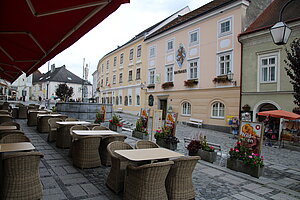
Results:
212 172
54 196
263 190
251 186
240 197
49 182
90 188
252 196
286 181
282 196
76 191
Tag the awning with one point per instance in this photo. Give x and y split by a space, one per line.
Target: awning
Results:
280 114
34 31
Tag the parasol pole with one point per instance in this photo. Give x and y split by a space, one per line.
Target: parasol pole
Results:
280 131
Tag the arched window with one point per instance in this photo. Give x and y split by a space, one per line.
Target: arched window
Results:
107 100
110 100
138 100
113 100
130 100
117 100
186 108
217 110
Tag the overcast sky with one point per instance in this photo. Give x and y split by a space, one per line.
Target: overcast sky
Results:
118 28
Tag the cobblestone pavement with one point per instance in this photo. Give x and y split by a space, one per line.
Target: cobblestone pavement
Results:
281 179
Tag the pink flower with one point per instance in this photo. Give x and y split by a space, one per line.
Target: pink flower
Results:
250 156
237 150
211 147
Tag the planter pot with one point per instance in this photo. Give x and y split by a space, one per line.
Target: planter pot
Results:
140 135
162 143
238 165
115 128
207 156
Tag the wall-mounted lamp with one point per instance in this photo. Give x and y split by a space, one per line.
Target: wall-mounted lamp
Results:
230 77
280 31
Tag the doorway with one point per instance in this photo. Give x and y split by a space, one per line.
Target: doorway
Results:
163 106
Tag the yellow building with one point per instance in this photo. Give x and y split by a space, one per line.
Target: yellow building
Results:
123 72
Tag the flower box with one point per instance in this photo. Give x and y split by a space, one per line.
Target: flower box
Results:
190 83
209 156
162 143
221 79
140 135
167 85
239 166
116 128
151 86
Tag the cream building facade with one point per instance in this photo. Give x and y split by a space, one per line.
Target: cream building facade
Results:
193 64
123 72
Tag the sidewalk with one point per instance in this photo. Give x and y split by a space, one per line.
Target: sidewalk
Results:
63 181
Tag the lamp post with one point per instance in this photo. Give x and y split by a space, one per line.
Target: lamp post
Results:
280 31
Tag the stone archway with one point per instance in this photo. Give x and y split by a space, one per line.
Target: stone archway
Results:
264 106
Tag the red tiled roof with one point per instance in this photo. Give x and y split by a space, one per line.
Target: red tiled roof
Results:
209 7
271 14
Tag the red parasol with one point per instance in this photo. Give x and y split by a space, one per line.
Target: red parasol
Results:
280 114
34 31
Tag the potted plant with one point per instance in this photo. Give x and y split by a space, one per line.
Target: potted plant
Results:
243 159
190 82
201 148
99 118
164 138
221 79
167 85
140 130
115 124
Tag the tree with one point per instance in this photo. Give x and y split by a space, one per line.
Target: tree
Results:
64 92
293 68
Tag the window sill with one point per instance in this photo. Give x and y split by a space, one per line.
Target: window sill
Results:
221 118
225 34
268 82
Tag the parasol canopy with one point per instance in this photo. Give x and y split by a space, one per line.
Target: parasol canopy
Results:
34 31
280 114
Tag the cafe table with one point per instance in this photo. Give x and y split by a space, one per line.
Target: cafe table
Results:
78 133
42 121
137 155
4 128
63 137
32 116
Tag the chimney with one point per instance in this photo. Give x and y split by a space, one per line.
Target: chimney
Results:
52 68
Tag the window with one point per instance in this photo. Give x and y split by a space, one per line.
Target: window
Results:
194 37
117 100
186 108
106 83
193 69
115 60
139 51
224 27
131 54
218 110
101 82
170 45
121 58
110 100
169 73
114 79
138 100
138 74
152 52
268 68
113 100
126 101
130 75
120 77
120 98
107 64
130 100
151 76
225 63
107 99
102 68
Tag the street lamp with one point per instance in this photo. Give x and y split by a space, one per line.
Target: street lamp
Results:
230 77
280 31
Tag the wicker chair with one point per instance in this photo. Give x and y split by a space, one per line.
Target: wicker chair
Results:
5 112
13 138
11 124
5 118
104 154
115 178
85 152
32 117
71 119
23 112
15 112
100 128
6 132
21 177
146 182
5 106
74 127
179 183
143 144
53 128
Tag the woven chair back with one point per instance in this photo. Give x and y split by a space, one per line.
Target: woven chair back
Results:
100 128
11 123
143 144
117 145
14 138
71 119
5 119
52 122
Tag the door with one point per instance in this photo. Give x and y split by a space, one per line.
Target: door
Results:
163 107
